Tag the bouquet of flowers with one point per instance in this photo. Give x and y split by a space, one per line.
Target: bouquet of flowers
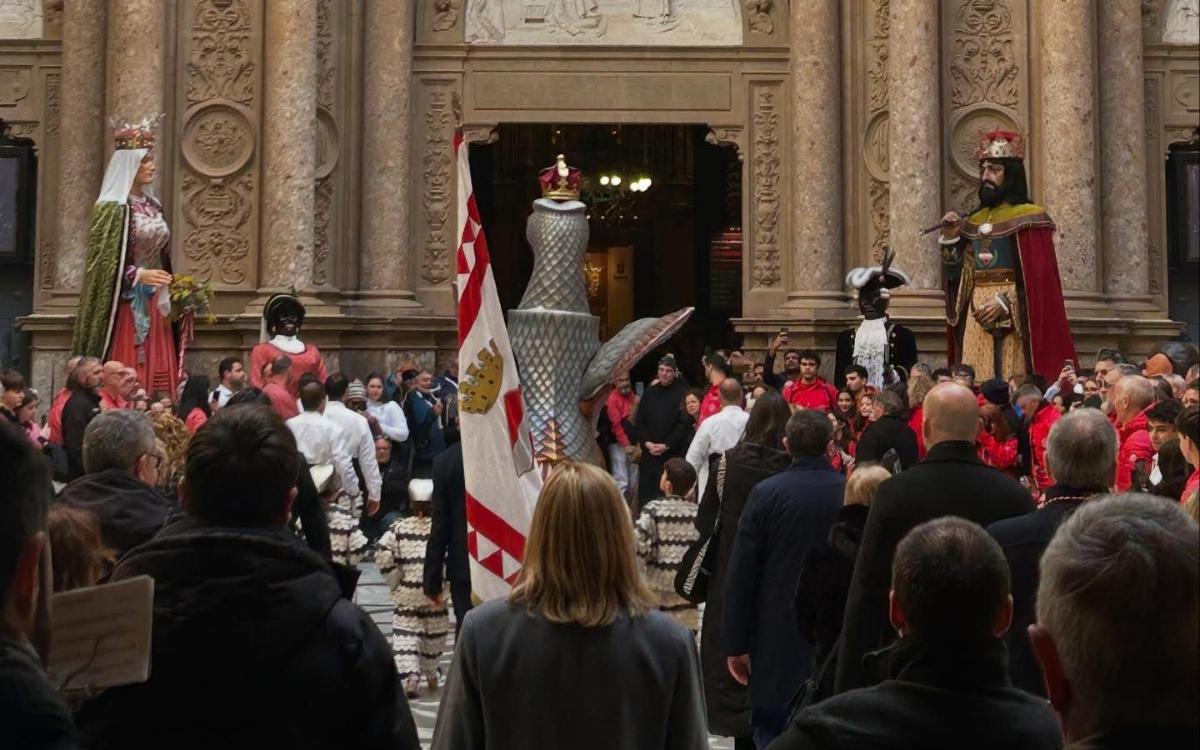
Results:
190 299
193 298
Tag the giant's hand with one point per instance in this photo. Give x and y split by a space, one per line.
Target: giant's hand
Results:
152 277
991 313
951 225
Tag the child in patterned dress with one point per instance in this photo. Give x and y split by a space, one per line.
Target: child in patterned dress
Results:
419 627
665 530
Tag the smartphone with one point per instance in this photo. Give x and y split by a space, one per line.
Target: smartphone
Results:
1068 364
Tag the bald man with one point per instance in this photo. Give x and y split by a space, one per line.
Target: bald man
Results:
951 481
1131 397
114 386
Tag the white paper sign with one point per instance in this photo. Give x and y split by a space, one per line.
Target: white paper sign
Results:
100 636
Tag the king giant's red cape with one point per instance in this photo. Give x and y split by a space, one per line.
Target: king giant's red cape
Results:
1049 343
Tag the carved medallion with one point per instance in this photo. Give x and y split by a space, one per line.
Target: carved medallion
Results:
217 139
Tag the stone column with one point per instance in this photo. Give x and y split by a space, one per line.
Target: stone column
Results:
81 134
289 144
386 263
914 137
816 269
1123 210
1067 135
135 52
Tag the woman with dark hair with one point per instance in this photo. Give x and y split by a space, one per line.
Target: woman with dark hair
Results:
760 455
193 406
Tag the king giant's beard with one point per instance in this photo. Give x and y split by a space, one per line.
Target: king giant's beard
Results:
990 195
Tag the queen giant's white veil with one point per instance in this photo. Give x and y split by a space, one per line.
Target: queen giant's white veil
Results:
118 178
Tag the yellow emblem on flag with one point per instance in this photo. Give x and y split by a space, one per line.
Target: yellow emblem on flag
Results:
479 390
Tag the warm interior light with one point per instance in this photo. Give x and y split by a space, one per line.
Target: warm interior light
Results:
603 179
616 180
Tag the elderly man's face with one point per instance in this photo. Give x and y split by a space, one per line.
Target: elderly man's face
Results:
1111 378
666 374
128 382
425 381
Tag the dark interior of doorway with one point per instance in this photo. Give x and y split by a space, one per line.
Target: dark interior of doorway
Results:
684 230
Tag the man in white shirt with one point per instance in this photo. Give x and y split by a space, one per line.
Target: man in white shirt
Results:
232 377
356 434
320 440
718 433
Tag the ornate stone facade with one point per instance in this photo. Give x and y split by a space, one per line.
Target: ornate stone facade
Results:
309 144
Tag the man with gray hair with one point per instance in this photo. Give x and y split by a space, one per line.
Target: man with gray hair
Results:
121 460
1131 397
889 432
1118 631
1081 456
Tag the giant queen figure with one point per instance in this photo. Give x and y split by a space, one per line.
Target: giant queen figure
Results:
125 305
1007 315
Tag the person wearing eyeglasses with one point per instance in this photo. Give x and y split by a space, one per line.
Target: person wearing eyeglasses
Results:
121 462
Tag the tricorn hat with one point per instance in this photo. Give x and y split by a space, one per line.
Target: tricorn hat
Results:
882 276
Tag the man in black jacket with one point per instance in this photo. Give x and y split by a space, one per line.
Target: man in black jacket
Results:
254 645
950 481
82 406
32 716
889 432
1081 454
661 426
447 545
945 682
785 517
119 488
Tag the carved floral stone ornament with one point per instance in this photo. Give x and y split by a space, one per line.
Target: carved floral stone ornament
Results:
759 14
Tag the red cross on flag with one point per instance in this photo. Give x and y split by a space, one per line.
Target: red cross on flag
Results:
502 482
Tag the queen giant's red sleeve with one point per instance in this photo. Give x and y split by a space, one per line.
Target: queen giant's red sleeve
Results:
1050 342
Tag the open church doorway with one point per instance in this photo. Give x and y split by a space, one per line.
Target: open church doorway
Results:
664 212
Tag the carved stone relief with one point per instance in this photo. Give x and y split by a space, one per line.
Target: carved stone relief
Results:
984 66
758 14
219 141
874 129
53 104
328 172
727 137
765 198
435 197
1151 103
445 14
617 22
983 83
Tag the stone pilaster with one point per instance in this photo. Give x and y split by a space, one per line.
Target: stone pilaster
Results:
135 54
815 274
82 135
914 135
385 276
1123 211
289 144
1067 135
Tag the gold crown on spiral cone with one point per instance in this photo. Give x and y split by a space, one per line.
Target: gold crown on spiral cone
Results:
560 182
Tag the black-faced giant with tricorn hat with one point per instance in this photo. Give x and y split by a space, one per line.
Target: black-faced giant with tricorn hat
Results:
886 350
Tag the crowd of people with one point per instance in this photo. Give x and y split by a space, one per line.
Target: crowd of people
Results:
773 557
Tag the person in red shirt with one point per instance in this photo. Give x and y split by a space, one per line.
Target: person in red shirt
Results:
620 405
278 377
117 382
1040 416
810 391
1130 398
716 369
996 444
1188 426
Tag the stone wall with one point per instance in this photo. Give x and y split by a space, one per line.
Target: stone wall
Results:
308 145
